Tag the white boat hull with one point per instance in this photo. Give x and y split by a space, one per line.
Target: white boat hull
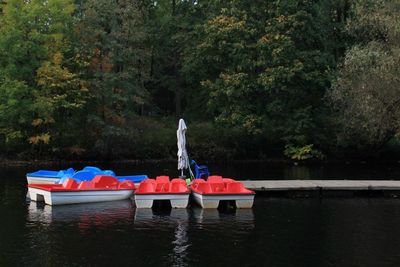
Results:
74 197
242 201
177 200
41 180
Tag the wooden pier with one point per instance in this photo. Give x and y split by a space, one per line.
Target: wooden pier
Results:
310 188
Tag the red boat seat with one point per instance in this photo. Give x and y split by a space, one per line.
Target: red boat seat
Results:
214 179
126 185
162 179
236 187
147 186
228 180
104 181
217 187
162 187
178 186
70 184
149 181
204 188
178 181
85 185
195 183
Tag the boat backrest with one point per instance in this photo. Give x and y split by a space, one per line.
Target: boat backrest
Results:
178 188
204 188
126 185
149 181
84 175
68 172
196 182
214 179
217 187
101 181
236 187
162 179
147 186
92 169
70 184
85 185
162 187
108 172
178 181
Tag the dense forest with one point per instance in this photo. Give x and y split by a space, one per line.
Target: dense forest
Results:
108 79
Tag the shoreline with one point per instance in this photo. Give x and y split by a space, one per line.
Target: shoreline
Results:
279 161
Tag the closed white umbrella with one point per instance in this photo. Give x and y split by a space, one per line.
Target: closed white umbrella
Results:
183 159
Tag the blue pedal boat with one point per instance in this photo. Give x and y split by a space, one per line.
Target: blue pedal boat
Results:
86 174
48 177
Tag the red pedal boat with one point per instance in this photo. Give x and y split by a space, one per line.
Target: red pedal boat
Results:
161 188
209 193
101 188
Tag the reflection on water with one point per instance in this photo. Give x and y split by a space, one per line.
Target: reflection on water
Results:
86 215
167 218
180 245
235 222
156 217
220 219
276 232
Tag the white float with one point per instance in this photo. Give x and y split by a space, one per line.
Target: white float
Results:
75 197
161 188
208 194
212 201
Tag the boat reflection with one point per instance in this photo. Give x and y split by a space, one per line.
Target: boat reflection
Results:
86 215
178 219
223 217
153 217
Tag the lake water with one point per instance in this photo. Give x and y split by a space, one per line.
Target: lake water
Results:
276 232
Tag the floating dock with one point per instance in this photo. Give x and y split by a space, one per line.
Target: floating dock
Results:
311 188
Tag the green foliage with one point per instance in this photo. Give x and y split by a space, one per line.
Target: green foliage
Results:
265 67
35 43
365 94
302 153
15 114
108 79
114 43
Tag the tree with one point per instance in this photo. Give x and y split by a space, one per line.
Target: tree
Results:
171 25
34 39
264 67
367 91
115 43
59 99
15 114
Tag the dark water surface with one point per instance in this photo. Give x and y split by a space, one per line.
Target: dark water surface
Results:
276 232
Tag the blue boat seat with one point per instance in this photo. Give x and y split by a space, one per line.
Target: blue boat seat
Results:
84 175
201 171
